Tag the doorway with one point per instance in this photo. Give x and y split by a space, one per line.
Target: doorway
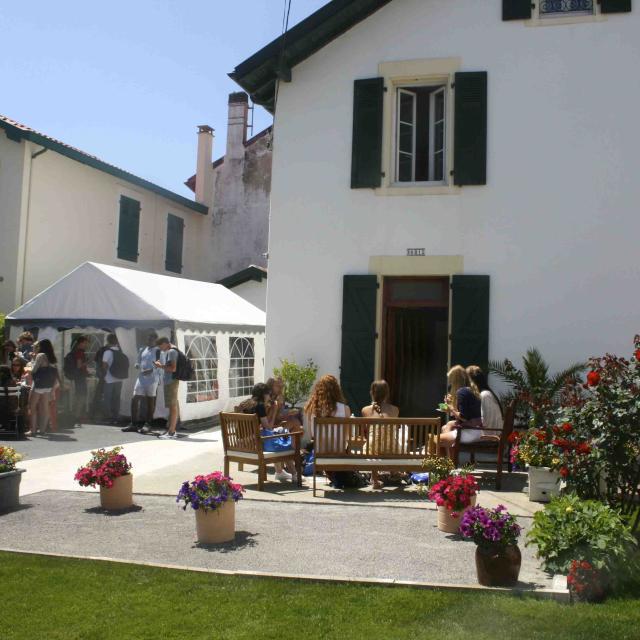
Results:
415 349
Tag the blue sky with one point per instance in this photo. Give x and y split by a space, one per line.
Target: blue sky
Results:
129 81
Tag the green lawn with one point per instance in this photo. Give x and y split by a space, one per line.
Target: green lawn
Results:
54 598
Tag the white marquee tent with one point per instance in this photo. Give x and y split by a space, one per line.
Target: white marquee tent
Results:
220 332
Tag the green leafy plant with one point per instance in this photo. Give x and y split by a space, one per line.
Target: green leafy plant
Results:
2 318
570 528
298 379
536 391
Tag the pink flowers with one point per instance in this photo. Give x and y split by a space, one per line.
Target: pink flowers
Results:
454 492
103 468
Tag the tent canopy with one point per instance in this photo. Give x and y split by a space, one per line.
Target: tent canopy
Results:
101 295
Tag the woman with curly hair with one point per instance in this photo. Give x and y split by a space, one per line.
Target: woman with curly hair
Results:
326 401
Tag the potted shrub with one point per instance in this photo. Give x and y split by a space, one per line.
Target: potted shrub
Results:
213 497
495 532
10 478
110 470
572 529
453 495
537 450
297 379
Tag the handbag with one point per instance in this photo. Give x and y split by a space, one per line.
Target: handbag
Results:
275 445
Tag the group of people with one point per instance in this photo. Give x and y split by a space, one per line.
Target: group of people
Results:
33 367
471 404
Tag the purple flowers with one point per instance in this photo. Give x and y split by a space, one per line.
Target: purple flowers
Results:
209 492
490 527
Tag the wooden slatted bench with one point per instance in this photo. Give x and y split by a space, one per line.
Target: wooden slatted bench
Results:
373 444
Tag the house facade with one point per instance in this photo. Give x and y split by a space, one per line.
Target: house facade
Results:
236 188
452 182
60 207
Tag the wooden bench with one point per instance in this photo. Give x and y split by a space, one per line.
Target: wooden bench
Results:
373 444
244 443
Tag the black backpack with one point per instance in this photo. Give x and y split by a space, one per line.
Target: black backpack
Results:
120 366
70 367
184 368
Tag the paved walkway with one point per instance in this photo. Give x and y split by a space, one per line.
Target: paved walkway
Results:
284 538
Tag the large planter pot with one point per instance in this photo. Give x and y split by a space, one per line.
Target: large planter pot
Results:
10 489
498 566
216 526
119 496
449 523
544 484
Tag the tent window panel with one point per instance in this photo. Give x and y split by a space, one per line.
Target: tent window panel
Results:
241 366
202 351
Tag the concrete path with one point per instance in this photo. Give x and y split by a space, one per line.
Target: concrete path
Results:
160 466
280 537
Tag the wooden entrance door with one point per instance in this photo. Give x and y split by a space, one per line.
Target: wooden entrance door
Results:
416 342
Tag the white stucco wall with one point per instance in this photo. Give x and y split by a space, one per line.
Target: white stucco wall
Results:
557 225
253 292
12 159
73 217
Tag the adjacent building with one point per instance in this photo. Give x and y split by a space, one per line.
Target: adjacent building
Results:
60 207
452 182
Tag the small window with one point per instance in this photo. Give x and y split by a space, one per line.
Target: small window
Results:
175 236
556 8
203 354
241 366
128 229
421 134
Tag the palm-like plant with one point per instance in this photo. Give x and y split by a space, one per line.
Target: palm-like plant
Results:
532 387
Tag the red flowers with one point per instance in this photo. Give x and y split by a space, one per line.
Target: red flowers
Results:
637 355
593 379
564 472
567 428
540 435
103 468
454 492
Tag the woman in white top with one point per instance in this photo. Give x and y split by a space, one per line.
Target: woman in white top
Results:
492 417
326 401
45 378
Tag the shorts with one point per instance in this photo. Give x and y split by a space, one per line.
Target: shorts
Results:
146 389
171 394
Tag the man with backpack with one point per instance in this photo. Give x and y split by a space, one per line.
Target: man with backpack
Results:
115 366
176 367
75 370
144 393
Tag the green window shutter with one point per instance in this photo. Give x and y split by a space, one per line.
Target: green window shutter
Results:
470 129
175 235
470 321
357 368
615 6
366 152
516 9
128 229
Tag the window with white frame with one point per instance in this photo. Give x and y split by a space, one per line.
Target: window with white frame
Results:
421 134
203 354
241 366
559 8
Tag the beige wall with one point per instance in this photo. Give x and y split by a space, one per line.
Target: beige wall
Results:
12 159
73 217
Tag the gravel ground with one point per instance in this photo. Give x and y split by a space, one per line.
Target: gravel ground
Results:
326 540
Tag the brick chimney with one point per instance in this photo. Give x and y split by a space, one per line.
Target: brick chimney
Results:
237 125
204 170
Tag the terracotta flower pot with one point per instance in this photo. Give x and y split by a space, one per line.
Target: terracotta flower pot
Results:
10 489
449 523
216 526
498 566
119 496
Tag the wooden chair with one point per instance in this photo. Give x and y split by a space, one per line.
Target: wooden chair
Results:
498 443
10 411
244 444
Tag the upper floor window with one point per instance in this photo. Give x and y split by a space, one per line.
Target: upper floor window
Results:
128 229
564 7
175 237
421 134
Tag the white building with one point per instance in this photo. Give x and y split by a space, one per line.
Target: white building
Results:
493 145
60 207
